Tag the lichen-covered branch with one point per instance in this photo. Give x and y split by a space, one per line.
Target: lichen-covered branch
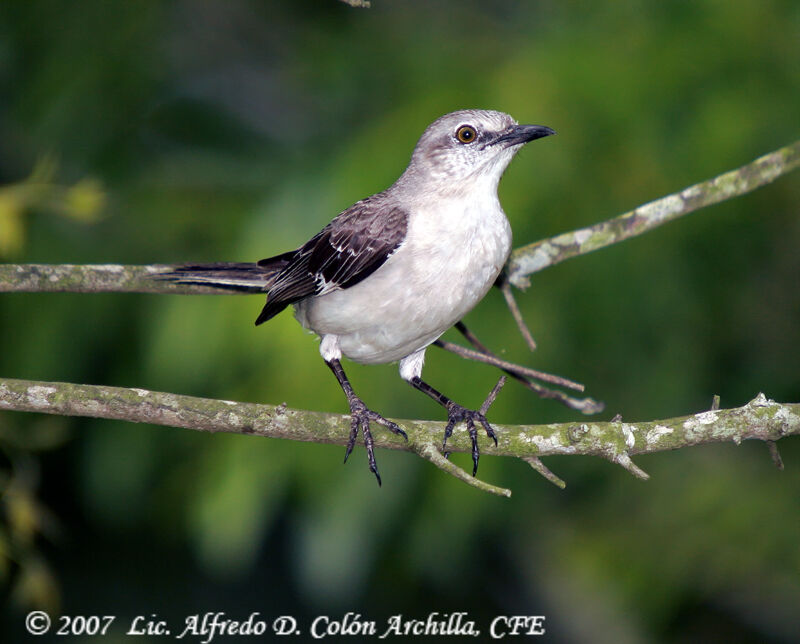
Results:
534 257
93 278
616 441
103 278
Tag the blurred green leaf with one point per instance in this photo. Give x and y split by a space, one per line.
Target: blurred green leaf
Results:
83 202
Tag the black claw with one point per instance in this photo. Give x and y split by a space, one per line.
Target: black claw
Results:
393 427
360 418
448 431
476 453
473 435
353 435
489 431
456 413
369 445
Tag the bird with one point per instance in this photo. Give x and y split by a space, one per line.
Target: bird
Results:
391 273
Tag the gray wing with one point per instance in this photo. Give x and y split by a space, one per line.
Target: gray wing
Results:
349 249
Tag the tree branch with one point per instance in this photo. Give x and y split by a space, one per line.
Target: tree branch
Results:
615 441
104 278
534 257
94 278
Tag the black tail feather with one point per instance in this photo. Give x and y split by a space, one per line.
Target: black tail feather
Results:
236 276
270 310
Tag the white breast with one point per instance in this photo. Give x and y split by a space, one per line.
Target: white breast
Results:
449 260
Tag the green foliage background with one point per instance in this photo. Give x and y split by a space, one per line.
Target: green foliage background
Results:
196 131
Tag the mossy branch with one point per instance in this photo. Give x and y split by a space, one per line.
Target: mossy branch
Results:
615 441
94 278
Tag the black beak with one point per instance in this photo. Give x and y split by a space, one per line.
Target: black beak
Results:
519 134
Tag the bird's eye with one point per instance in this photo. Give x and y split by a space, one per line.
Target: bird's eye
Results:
466 134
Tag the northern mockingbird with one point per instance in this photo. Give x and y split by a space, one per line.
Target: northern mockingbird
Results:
394 271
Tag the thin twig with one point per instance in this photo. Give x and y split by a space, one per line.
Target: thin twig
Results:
772 446
471 338
587 406
511 302
492 395
430 452
505 365
625 461
540 467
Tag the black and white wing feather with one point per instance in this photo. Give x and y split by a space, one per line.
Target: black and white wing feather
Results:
350 248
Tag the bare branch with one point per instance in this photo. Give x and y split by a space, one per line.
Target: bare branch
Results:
492 395
540 467
760 419
511 303
587 406
534 257
510 367
775 455
430 452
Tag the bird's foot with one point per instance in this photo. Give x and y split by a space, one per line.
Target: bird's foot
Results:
360 416
455 414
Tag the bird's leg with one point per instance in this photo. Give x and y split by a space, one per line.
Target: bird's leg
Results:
455 414
360 416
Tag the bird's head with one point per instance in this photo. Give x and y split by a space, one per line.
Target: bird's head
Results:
471 146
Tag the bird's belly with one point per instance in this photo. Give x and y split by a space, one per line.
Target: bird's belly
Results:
419 293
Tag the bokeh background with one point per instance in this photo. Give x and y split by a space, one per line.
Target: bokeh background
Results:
156 132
